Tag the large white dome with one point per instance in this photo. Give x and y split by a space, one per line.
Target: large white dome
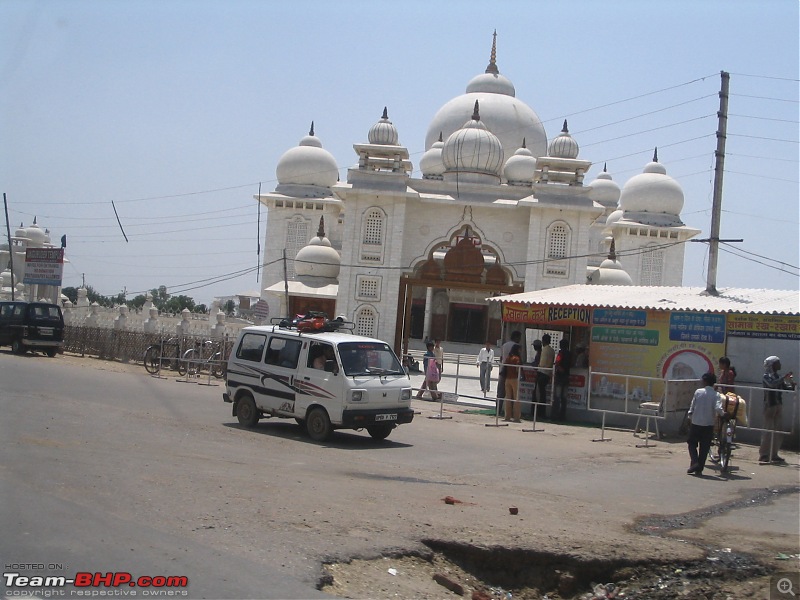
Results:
505 116
652 191
307 164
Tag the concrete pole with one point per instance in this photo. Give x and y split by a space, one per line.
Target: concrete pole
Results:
716 206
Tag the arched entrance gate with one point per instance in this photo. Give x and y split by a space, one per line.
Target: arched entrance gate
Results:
461 265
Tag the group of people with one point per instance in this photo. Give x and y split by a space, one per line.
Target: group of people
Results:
707 409
549 363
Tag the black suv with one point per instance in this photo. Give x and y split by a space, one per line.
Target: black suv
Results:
31 326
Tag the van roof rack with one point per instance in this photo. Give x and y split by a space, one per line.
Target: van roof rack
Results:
313 322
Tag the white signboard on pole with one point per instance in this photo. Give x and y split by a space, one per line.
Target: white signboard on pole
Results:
44 266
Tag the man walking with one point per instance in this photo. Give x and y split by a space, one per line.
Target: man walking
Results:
485 362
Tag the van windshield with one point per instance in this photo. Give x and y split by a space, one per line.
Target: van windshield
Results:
369 358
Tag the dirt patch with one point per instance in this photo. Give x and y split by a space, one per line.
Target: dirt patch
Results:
482 573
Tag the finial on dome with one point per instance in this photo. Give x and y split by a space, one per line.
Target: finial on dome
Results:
321 230
385 113
492 68
476 115
440 137
34 220
565 129
311 131
655 155
523 143
605 167
612 252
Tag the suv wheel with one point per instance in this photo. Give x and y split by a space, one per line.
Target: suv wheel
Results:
17 347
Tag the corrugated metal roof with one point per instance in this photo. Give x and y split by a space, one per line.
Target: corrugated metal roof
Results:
729 300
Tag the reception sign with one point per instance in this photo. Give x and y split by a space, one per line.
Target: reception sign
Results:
533 314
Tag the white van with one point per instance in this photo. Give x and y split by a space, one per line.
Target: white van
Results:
324 380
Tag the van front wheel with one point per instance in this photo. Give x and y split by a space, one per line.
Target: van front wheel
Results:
318 425
17 347
246 411
380 431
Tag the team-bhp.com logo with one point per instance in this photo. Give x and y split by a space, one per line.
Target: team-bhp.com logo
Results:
95 584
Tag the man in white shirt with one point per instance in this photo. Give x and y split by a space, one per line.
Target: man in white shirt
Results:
706 404
485 362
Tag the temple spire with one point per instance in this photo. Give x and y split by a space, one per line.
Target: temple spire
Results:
321 230
476 115
655 154
492 68
311 131
612 252
385 113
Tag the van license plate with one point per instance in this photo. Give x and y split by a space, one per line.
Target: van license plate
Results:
391 417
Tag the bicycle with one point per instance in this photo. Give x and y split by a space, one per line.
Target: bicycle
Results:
157 354
722 446
194 360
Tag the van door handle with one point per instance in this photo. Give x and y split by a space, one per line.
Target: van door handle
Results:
307 378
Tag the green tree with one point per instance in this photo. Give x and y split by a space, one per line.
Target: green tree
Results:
229 308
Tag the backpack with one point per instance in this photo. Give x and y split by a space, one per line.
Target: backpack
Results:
432 373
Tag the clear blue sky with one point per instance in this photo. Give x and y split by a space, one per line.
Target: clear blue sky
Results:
176 110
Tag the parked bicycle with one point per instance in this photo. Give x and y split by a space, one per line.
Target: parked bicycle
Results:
166 354
205 356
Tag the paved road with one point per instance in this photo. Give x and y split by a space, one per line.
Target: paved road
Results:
107 471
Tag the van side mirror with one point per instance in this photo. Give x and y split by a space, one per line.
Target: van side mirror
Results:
331 367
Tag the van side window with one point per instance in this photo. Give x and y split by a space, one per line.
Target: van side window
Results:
251 347
6 310
283 353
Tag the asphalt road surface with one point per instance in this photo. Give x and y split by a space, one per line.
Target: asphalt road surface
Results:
106 471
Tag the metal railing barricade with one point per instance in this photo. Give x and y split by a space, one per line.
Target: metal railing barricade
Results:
627 398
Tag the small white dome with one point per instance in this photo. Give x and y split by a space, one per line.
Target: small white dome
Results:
473 148
308 164
491 83
605 190
653 191
563 146
431 163
318 258
610 271
383 132
521 167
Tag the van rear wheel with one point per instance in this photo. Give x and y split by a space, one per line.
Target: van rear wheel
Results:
51 352
17 347
318 425
380 431
246 411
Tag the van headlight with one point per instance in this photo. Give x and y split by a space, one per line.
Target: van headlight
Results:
357 395
405 394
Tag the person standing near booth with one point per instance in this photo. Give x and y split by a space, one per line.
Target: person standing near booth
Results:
546 360
773 382
561 368
511 403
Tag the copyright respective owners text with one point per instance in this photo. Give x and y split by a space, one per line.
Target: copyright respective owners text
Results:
784 585
57 580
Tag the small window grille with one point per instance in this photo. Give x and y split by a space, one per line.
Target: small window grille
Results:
652 267
557 245
366 321
368 288
296 238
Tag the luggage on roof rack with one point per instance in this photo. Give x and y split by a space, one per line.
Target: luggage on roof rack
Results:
313 322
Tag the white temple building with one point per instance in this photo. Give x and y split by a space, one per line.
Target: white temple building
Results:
498 209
